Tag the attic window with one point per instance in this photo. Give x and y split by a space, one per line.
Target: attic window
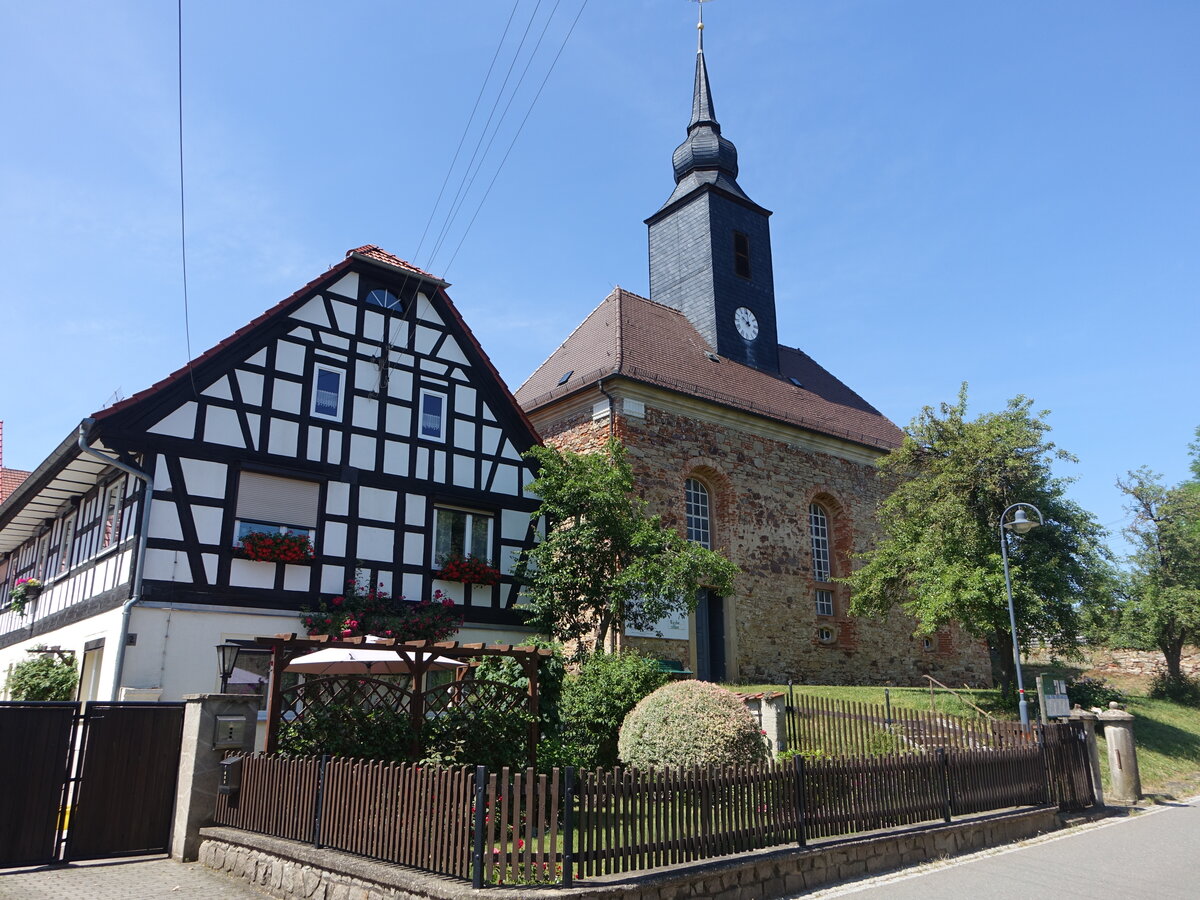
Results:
386 299
566 377
712 356
741 254
796 381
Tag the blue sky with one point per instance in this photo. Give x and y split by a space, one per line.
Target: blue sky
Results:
1003 194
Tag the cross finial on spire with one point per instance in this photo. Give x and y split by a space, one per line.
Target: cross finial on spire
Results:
700 25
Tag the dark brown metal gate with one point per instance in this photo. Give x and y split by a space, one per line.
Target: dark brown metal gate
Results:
87 785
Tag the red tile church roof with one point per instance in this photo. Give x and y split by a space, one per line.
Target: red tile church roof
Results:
645 341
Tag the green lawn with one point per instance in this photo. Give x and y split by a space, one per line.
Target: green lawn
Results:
1167 734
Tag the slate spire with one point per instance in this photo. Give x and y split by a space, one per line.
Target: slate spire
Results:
704 148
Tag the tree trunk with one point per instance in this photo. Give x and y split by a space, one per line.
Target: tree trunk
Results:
1173 652
1000 645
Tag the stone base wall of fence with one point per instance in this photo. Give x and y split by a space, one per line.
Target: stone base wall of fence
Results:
291 870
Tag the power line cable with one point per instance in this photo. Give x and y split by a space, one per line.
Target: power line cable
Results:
187 328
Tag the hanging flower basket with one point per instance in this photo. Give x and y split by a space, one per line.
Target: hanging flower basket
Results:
24 592
468 570
285 548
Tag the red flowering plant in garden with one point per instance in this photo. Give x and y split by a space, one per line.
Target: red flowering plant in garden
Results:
467 569
368 609
265 546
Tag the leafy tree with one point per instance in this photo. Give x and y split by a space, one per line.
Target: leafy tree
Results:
596 700
606 563
1161 608
939 555
45 677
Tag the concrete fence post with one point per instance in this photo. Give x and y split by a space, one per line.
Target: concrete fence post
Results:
1089 727
1122 755
199 758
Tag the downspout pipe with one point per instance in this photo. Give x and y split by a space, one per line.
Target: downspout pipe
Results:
612 409
139 559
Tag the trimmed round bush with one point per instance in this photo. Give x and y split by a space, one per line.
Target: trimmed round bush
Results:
690 723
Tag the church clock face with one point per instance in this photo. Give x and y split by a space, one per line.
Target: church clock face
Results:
746 323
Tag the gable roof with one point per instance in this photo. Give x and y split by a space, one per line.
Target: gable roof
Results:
645 341
10 480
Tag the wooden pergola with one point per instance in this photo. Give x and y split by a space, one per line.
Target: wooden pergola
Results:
286 647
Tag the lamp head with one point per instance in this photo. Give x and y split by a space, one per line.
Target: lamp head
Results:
1020 523
227 655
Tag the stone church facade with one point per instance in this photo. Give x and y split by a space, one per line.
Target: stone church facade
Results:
746 445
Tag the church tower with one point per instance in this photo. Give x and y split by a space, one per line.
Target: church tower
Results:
710 244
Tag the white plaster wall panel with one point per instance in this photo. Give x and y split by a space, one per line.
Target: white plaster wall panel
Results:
464 434
452 352
398 337
210 561
251 386
332 579
372 326
347 286
366 374
436 368
426 312
314 443
464 471
395 458
491 440
334 454
464 401
375 544
424 340
452 589
506 481
251 574
422 467
510 452
527 478
284 437
337 498
164 521
398 420
345 314
202 477
411 585
289 357
513 524
221 427
400 385
335 340
295 578
73 637
208 521
259 358
439 466
160 564
312 312
414 510
366 411
302 333
487 413
334 542
376 503
508 559
219 389
362 451
180 422
254 420
414 549
286 396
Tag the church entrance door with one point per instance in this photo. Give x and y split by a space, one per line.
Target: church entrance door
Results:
710 637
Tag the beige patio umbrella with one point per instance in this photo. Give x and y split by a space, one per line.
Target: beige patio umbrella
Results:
364 661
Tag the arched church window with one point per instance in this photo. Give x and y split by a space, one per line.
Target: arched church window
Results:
698 512
822 573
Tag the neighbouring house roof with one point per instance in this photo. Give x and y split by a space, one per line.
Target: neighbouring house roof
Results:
10 480
639 339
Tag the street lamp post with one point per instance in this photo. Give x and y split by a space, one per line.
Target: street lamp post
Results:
1020 524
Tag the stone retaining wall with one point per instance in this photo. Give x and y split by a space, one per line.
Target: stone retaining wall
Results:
1143 663
294 871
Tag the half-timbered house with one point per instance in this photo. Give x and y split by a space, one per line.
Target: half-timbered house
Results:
359 412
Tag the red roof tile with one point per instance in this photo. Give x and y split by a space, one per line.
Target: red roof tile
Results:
10 480
637 338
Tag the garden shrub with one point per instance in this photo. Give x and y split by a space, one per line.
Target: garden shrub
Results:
46 677
1089 692
691 723
466 736
351 729
552 673
594 703
1176 688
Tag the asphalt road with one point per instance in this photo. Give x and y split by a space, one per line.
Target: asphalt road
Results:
1154 855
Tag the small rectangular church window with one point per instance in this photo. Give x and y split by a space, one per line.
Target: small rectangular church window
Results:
824 603
433 415
741 254
327 393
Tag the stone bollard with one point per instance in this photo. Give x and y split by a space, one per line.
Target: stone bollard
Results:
199 762
1122 754
774 722
1089 727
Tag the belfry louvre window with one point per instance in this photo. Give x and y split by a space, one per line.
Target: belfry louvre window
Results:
698 513
273 505
741 254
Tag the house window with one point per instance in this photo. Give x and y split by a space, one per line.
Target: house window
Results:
45 559
327 393
461 532
433 416
386 299
741 254
110 528
824 603
64 545
697 510
268 504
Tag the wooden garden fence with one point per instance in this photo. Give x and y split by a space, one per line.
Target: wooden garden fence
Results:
522 827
